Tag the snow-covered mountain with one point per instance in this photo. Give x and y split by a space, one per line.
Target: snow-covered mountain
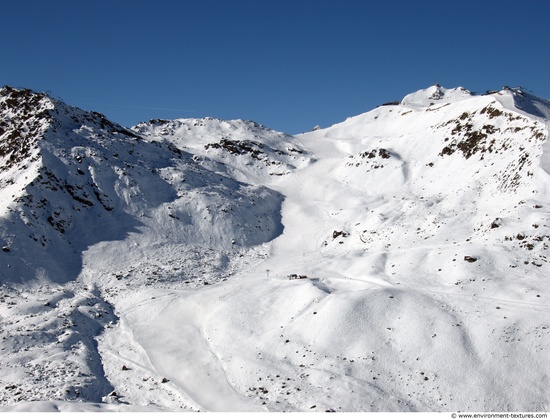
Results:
397 261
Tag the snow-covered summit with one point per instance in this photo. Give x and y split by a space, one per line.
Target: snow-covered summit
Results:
435 94
66 171
524 102
513 98
250 151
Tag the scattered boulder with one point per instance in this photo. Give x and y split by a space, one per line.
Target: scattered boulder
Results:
470 259
296 276
337 233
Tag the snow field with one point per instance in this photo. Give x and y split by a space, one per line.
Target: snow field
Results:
394 262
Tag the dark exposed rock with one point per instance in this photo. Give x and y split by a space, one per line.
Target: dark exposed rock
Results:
336 234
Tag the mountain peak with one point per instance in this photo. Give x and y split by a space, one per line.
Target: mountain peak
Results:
435 93
24 116
529 103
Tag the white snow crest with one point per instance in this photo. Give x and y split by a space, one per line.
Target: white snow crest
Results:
435 94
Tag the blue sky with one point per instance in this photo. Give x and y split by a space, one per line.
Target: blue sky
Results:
288 64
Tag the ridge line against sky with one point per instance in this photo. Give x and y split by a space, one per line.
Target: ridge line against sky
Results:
289 65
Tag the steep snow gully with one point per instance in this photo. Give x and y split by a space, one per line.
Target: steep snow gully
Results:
397 261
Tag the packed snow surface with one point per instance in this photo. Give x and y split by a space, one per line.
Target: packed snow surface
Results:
397 261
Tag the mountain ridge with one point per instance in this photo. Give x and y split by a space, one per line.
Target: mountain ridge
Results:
368 266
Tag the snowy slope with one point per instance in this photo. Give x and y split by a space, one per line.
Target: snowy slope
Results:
423 232
396 261
244 149
85 172
148 210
